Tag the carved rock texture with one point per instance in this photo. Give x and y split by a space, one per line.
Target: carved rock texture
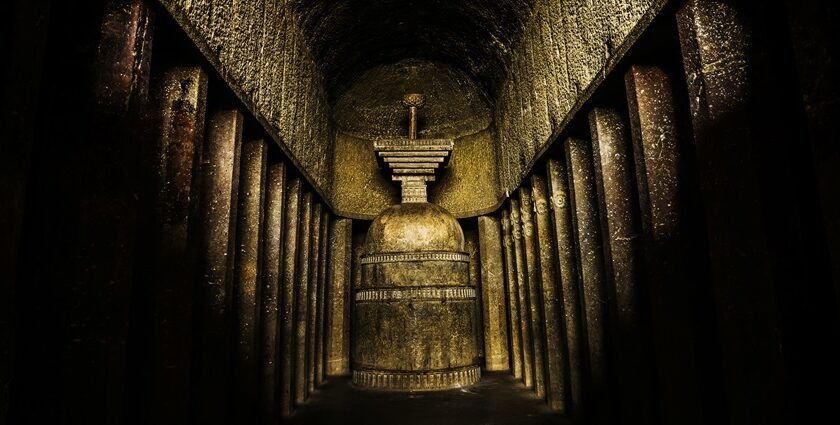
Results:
533 61
259 49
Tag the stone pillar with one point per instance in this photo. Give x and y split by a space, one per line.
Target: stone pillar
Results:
217 236
356 274
493 294
618 205
125 52
107 166
523 295
600 407
745 271
471 244
320 315
338 296
270 278
569 279
302 297
291 241
535 302
511 288
181 101
311 325
246 277
555 338
659 176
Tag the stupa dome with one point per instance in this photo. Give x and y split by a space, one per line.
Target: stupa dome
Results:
414 227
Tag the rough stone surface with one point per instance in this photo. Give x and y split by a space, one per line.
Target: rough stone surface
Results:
291 240
657 146
220 184
579 164
493 294
567 272
320 315
371 108
270 292
535 289
304 251
338 297
522 294
566 50
414 227
533 61
554 335
314 267
621 233
259 49
468 186
246 285
181 99
515 345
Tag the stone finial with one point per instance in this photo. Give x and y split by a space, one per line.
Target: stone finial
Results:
413 162
413 102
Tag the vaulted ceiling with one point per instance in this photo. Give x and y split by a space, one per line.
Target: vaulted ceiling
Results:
351 36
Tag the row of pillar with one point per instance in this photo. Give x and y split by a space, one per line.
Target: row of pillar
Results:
271 269
640 283
239 289
191 283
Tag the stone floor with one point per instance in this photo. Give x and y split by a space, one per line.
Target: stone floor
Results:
496 400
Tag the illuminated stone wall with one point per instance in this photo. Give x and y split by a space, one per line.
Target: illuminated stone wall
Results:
260 51
566 49
277 58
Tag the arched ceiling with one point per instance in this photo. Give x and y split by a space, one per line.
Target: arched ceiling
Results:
349 37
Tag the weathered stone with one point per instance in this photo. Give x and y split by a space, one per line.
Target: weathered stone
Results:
471 244
560 201
291 243
181 100
312 324
552 297
301 327
600 407
216 240
512 291
414 317
287 97
125 53
338 295
535 290
521 65
659 176
522 294
320 314
270 292
246 284
597 34
623 255
493 295
716 45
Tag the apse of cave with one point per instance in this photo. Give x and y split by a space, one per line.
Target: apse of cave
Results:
579 212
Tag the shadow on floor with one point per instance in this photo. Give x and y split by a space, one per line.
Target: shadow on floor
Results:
496 400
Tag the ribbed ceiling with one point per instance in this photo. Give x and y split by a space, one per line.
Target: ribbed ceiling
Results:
351 36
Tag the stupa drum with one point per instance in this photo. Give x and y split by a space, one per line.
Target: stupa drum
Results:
414 317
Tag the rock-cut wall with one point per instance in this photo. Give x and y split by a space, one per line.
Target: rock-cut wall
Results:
259 49
566 49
